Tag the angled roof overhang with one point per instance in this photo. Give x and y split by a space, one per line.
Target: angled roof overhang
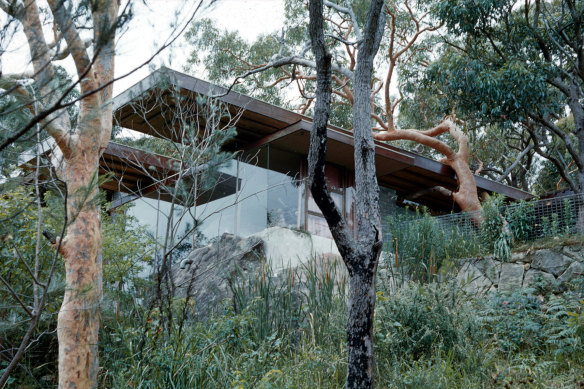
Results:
414 177
147 106
132 172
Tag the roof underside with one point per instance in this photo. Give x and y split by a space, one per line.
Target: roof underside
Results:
149 107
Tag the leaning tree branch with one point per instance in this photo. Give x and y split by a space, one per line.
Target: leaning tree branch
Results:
466 196
515 163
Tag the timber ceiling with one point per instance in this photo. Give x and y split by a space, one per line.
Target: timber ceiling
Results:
149 107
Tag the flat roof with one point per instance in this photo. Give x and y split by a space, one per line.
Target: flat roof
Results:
261 123
135 173
148 106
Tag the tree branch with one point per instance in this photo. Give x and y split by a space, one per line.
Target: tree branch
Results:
515 163
349 11
290 60
75 44
15 295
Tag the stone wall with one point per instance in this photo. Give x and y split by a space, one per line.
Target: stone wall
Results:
548 269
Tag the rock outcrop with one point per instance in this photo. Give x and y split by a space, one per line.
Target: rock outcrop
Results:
208 273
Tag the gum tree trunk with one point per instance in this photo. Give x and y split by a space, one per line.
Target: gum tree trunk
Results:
360 255
80 149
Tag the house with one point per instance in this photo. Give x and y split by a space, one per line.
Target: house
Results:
265 183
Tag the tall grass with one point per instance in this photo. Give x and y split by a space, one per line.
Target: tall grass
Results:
420 246
289 332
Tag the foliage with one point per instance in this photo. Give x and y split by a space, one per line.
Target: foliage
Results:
272 326
509 65
492 224
126 249
426 336
422 245
14 116
514 320
521 220
424 319
521 322
300 298
18 241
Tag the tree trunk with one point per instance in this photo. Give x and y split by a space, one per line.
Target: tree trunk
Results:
360 255
80 148
360 366
78 320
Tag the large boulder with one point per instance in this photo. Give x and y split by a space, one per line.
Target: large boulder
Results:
207 273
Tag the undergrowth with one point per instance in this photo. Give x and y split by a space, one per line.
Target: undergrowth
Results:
426 336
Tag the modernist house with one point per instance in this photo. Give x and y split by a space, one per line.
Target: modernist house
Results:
264 184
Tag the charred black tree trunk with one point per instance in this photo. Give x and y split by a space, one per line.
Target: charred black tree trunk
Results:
360 255
360 329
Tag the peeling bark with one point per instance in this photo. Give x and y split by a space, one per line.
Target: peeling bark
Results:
466 196
80 150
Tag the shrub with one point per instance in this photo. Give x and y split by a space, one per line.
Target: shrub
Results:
521 220
421 319
513 320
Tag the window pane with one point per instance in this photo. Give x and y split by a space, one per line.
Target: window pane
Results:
317 226
252 194
286 190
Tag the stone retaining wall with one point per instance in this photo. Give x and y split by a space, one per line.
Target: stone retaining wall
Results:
549 269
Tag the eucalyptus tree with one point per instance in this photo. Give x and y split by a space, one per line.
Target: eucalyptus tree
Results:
85 31
361 254
519 65
80 148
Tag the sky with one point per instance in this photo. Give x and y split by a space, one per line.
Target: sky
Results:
153 24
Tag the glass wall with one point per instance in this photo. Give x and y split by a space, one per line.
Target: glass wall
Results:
218 216
252 195
262 188
286 193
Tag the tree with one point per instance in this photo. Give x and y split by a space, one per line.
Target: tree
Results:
277 61
79 144
81 147
519 65
361 255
